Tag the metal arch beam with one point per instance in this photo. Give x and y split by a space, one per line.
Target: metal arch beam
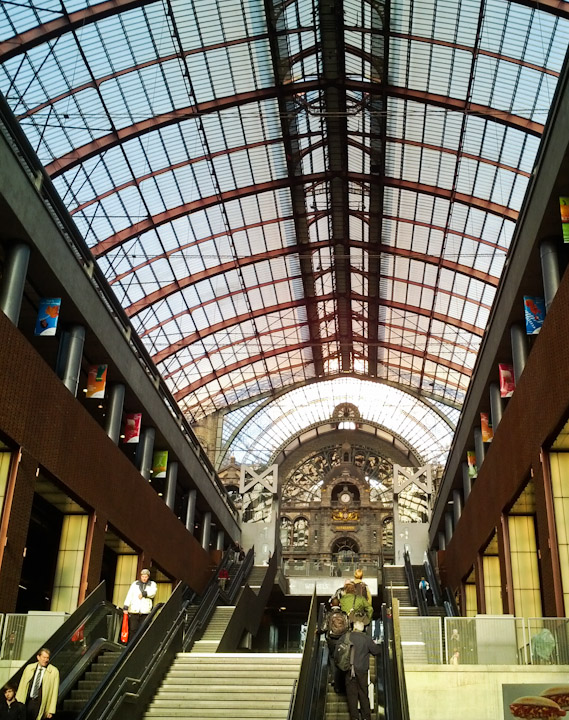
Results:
172 214
430 259
556 7
217 298
458 46
333 42
292 149
100 145
74 21
206 379
213 271
451 151
195 243
170 168
483 111
208 273
173 287
227 323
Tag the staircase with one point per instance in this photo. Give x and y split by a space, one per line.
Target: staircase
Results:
395 585
256 577
227 685
214 630
90 683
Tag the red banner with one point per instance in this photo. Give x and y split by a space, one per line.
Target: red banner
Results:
132 423
507 382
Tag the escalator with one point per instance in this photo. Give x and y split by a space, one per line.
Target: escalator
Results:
83 649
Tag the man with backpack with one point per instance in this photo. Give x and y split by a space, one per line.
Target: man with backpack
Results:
352 657
336 626
353 604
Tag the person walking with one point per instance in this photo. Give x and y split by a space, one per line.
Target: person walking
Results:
357 676
359 584
39 687
353 604
10 708
138 601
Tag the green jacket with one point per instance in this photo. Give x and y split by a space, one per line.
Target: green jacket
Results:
358 604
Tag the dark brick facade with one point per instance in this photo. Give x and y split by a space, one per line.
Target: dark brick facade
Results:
39 414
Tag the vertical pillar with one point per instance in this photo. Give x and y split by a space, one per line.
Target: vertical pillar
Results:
466 481
457 506
115 406
13 281
479 450
448 527
73 357
191 511
518 339
442 540
16 513
171 479
145 450
549 270
496 406
220 540
206 530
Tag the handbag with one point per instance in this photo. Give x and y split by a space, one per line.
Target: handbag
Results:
124 628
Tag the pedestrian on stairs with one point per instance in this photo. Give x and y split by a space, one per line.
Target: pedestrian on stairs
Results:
138 602
357 676
424 588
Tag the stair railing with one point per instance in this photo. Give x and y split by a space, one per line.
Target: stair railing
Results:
417 599
308 703
433 580
131 683
394 688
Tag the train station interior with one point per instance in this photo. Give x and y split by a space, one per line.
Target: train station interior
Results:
283 293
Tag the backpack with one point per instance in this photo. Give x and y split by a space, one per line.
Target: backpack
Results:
337 623
343 653
361 589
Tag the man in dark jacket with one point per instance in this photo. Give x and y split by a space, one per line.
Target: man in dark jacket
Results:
357 675
10 708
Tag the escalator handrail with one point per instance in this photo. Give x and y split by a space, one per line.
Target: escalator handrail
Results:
140 661
135 670
62 636
396 706
433 581
417 599
308 687
68 684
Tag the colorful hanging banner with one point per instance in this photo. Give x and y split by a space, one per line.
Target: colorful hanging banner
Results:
471 460
534 311
507 382
160 463
564 207
486 427
132 424
48 315
96 381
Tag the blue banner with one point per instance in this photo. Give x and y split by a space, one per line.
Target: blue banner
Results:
534 311
48 315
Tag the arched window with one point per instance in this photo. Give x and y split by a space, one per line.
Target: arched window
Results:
286 532
345 550
300 533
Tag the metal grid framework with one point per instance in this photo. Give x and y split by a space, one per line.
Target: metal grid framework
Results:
286 190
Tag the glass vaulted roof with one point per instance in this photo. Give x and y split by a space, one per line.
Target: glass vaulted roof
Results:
286 190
